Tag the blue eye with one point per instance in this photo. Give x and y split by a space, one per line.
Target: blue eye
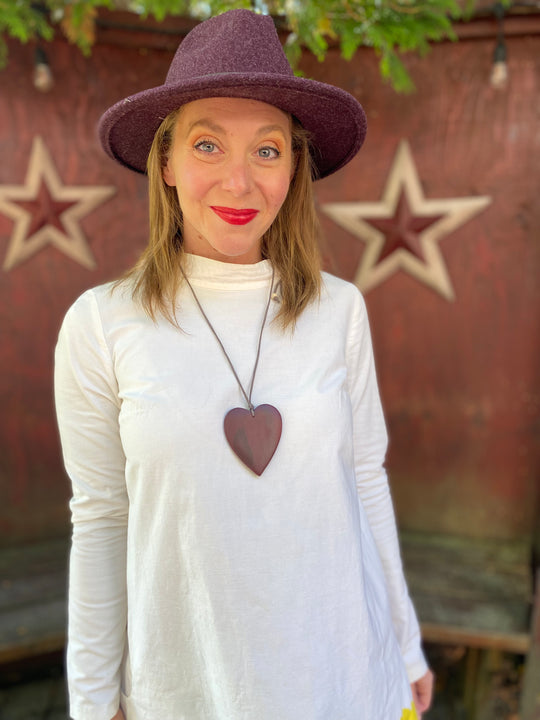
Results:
268 152
205 146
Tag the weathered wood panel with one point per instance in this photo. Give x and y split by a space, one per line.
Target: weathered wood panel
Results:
460 380
36 293
530 700
33 599
476 593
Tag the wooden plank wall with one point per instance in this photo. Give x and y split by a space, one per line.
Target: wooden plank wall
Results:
460 379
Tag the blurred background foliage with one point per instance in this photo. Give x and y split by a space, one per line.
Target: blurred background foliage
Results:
391 27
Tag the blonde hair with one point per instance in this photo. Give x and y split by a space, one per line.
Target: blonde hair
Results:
290 243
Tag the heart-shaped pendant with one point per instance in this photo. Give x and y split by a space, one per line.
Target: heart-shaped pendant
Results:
253 438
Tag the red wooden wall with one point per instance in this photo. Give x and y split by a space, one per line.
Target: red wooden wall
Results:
460 378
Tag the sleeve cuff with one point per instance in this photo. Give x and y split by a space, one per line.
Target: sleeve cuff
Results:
84 711
417 669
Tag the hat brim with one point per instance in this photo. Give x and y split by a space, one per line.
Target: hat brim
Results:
334 118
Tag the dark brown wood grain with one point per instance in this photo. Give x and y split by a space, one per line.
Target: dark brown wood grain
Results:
33 585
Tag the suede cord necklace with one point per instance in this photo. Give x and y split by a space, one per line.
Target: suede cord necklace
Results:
252 434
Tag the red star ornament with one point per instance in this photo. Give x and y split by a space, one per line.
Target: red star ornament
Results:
46 212
403 230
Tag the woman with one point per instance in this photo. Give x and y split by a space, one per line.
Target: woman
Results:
234 551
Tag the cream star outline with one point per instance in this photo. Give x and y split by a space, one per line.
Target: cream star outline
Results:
73 244
404 176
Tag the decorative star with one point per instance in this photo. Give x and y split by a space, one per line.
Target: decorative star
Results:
46 212
403 230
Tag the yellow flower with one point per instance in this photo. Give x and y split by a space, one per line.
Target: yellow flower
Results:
409 714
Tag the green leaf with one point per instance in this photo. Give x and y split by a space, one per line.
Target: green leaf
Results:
390 27
393 70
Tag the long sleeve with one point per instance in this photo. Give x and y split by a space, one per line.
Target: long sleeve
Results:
370 443
87 406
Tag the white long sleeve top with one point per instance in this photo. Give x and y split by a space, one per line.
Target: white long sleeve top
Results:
199 590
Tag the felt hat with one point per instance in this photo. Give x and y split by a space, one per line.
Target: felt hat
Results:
237 54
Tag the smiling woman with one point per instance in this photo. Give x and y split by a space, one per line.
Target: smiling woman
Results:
290 241
235 553
246 161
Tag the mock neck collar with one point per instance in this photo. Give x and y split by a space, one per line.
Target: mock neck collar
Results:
204 271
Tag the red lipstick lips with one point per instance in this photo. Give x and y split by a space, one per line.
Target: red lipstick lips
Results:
233 216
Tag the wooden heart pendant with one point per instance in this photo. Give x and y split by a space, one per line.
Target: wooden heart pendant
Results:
253 438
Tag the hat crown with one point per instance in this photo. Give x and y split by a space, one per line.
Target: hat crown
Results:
237 55
238 41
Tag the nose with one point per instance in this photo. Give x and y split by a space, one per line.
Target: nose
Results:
237 177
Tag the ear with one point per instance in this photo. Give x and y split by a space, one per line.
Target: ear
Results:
168 174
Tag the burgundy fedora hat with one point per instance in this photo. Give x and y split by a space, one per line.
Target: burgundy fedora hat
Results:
237 54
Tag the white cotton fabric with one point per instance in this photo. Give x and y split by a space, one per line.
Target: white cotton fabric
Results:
198 590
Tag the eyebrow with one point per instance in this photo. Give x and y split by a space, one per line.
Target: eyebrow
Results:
211 125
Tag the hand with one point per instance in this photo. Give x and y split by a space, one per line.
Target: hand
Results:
422 691
119 715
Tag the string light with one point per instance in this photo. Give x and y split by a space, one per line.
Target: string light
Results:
43 77
499 71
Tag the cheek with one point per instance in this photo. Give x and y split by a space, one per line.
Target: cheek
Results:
192 185
278 192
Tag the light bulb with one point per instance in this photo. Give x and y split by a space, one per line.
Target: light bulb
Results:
43 77
499 71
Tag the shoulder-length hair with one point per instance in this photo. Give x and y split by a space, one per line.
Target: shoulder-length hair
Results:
290 243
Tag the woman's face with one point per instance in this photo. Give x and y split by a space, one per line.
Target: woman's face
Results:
231 163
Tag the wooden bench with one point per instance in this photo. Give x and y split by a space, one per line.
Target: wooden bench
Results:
32 599
477 593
